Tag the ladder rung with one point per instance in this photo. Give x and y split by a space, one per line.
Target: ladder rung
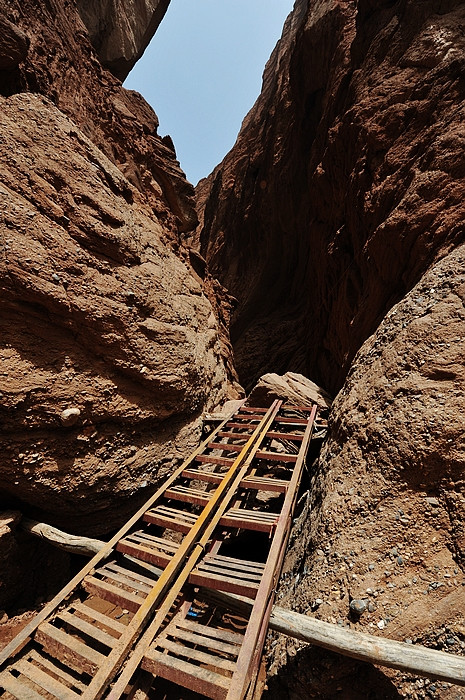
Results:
285 436
188 495
68 650
249 520
262 483
209 459
170 518
113 625
113 594
209 477
200 656
276 456
225 447
87 628
193 677
45 681
14 686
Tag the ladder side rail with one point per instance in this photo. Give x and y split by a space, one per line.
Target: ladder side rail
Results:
254 637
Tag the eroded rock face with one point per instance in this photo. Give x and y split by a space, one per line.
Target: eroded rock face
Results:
345 184
120 30
337 222
101 324
112 342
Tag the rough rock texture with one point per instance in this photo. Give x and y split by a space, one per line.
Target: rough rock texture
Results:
337 222
113 338
292 388
120 30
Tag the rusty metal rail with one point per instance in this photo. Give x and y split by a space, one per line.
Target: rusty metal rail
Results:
135 615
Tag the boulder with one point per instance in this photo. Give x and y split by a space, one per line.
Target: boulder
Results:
292 388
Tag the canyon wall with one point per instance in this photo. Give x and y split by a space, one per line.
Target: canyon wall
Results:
337 223
113 337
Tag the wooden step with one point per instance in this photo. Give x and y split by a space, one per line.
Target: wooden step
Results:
263 483
285 436
77 623
45 681
276 456
299 422
115 595
225 447
114 627
191 676
126 582
234 436
171 518
65 677
199 475
186 494
154 550
222 574
210 459
249 520
18 689
68 649
234 424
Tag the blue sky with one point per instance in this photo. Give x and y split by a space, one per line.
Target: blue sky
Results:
202 73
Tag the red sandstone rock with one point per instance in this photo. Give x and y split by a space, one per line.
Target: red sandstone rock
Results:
104 316
337 222
120 30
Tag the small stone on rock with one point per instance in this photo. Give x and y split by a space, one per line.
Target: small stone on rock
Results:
70 416
358 606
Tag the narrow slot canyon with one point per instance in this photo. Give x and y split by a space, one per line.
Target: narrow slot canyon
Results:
322 260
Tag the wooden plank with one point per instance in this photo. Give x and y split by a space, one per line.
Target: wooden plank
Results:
213 632
17 689
224 446
113 576
186 495
171 518
210 459
144 553
56 670
234 424
113 625
43 680
196 678
234 564
209 477
284 436
300 422
261 483
113 594
87 628
209 579
276 456
196 655
133 574
161 543
234 436
201 640
68 650
220 570
252 409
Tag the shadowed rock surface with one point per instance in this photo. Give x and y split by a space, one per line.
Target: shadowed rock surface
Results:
337 222
120 30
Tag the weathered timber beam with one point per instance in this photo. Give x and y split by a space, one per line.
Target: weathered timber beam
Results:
85 546
410 658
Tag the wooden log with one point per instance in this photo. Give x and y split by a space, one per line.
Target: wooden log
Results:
410 658
85 546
